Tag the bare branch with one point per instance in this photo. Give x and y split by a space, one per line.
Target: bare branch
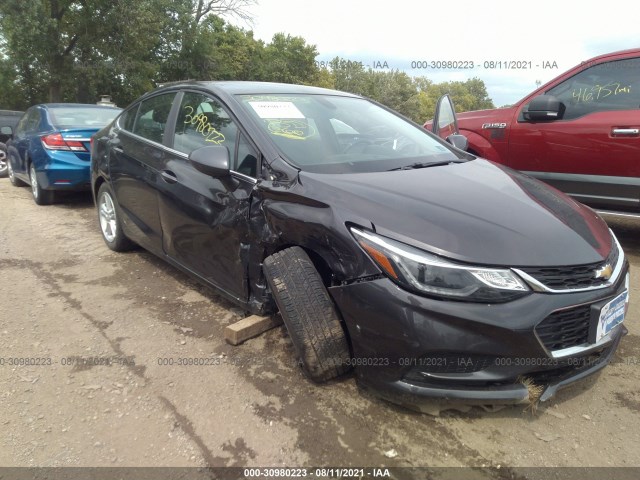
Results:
224 8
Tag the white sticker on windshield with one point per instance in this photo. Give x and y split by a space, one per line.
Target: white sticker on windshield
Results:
276 110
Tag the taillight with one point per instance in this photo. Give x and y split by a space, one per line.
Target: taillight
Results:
56 142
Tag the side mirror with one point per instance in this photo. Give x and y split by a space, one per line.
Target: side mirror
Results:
445 122
6 131
459 141
211 160
544 108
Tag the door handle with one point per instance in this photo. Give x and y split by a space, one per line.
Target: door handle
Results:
118 149
626 132
168 176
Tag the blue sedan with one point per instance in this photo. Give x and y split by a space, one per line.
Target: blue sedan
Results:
50 148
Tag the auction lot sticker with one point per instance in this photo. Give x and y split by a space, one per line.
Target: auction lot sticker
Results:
276 110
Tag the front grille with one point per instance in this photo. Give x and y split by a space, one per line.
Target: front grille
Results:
573 277
565 328
572 365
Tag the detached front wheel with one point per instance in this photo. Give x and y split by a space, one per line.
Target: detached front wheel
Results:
308 313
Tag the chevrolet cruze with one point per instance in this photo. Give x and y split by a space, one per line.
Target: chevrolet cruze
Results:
433 273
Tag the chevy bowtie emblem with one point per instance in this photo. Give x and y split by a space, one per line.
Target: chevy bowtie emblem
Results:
605 272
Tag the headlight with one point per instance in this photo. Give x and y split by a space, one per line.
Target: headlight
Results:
425 273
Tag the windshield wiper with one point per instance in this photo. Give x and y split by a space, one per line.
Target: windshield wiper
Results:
413 166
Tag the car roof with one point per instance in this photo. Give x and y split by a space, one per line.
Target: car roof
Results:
76 105
620 53
10 113
252 88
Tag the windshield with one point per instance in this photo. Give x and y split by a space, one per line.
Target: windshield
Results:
334 134
64 117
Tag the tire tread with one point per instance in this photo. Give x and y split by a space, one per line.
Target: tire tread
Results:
308 313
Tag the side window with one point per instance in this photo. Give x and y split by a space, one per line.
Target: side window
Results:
247 161
603 87
128 118
33 120
21 127
152 117
202 121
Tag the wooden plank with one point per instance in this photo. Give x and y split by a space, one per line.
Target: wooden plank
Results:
250 327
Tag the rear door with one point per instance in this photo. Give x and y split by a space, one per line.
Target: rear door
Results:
137 158
23 137
205 219
593 151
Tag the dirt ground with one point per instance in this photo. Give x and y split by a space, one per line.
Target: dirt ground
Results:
106 332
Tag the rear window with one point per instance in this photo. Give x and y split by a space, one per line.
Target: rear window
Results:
63 117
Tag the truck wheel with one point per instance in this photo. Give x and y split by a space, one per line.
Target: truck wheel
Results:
109 220
308 313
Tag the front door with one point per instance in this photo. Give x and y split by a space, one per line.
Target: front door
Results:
593 151
205 219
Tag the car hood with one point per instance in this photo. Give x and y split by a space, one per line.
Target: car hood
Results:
477 212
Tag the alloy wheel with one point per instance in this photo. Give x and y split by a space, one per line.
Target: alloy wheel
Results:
12 177
34 182
3 162
108 222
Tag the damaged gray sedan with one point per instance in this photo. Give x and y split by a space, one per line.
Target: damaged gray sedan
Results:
432 273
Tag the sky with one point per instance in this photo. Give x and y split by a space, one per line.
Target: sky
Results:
410 33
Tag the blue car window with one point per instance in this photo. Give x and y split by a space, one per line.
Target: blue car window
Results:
33 120
21 127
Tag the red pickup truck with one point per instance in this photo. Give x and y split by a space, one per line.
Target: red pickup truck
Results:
580 132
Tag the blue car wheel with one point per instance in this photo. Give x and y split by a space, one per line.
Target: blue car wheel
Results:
40 196
15 181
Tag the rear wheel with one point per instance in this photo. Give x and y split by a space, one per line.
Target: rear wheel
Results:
40 195
308 313
109 220
15 181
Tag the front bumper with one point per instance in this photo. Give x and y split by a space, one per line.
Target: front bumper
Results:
413 350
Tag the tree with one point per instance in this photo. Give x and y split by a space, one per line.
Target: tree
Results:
289 59
414 97
69 50
349 76
468 95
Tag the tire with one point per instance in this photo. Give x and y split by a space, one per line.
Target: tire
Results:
3 160
308 313
40 196
109 221
15 181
